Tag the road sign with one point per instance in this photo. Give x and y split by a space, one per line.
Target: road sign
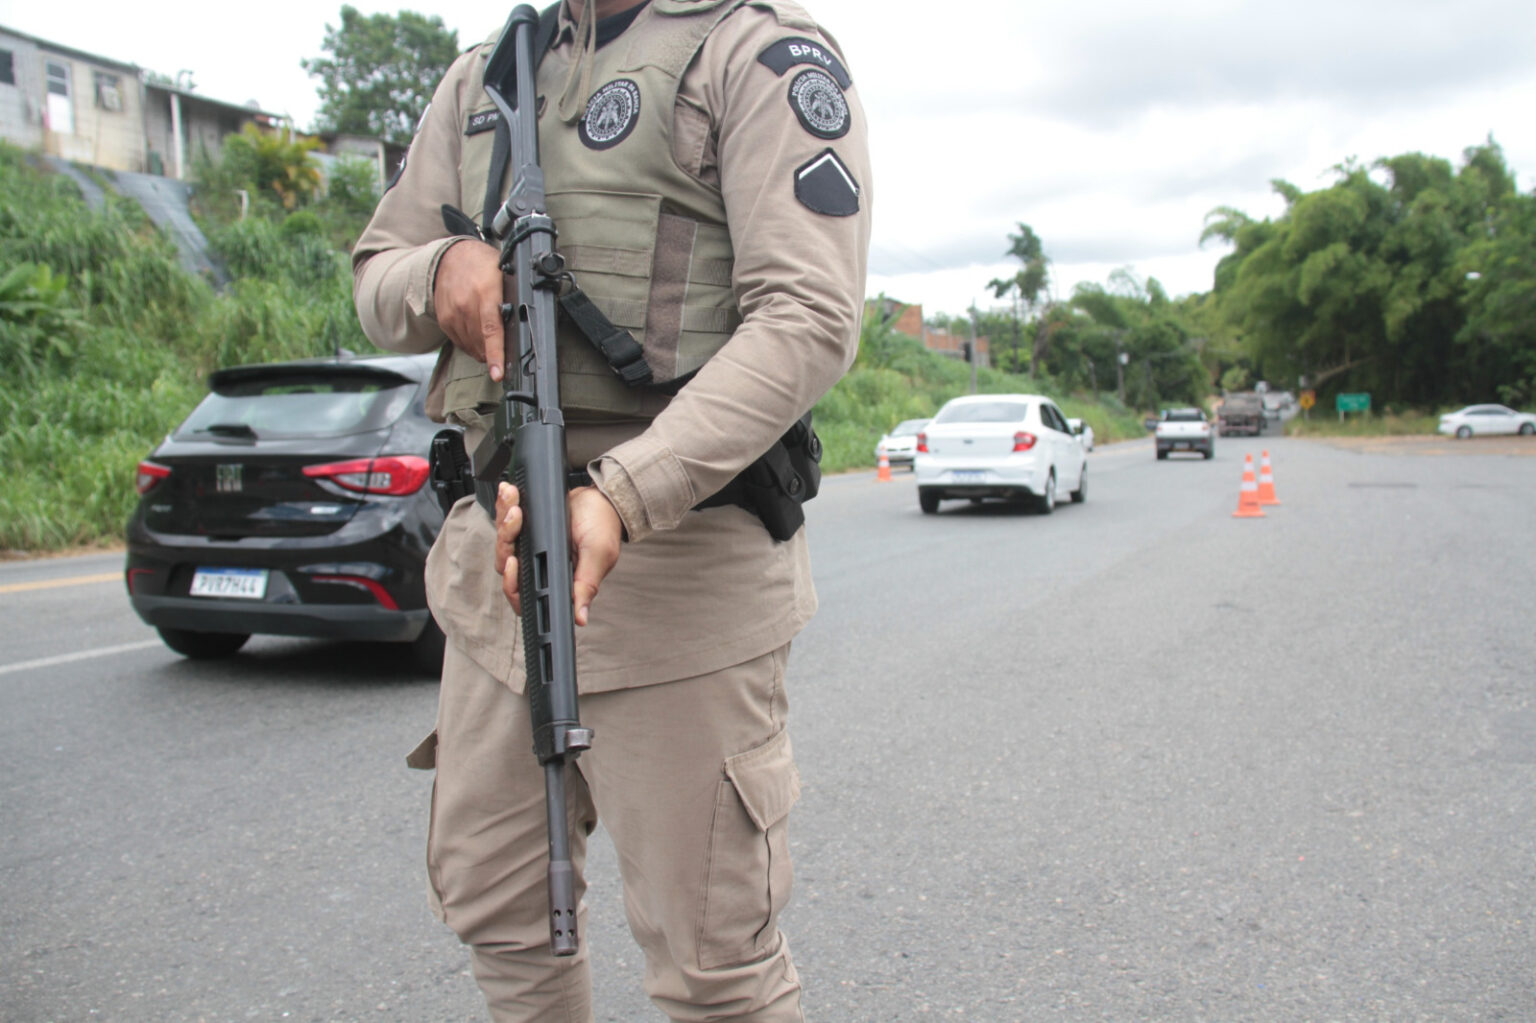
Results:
1308 399
1352 402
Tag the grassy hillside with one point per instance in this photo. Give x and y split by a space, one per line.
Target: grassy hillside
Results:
105 343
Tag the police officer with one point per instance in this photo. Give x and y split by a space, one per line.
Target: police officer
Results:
707 171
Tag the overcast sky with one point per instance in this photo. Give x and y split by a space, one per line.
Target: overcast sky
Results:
1111 128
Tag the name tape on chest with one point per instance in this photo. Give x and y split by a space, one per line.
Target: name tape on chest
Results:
825 185
819 104
611 114
482 120
786 53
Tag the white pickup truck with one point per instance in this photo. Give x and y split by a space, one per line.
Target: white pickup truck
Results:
1185 429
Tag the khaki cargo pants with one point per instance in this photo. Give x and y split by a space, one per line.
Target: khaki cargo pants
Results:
693 780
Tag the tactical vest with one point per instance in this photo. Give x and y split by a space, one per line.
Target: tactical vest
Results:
645 240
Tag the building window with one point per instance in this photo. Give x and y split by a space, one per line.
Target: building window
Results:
7 68
109 92
58 79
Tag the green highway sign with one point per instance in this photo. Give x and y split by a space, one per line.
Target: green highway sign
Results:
1352 402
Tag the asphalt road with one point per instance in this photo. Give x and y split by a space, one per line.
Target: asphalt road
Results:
1137 760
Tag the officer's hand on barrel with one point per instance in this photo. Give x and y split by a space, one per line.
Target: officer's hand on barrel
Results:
596 536
467 294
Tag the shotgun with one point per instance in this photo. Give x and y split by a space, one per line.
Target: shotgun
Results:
527 448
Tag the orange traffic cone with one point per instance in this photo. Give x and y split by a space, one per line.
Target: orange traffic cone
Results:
1248 499
883 475
1266 482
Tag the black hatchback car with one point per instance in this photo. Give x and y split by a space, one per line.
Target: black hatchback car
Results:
293 501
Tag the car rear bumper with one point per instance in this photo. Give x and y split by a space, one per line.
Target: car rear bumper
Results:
1020 478
1201 446
325 621
365 582
1023 470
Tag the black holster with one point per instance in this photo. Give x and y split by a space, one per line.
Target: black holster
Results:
452 475
776 485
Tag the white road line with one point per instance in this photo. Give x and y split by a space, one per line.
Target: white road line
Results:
82 655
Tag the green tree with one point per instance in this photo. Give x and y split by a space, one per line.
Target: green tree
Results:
1363 285
380 72
1026 287
1498 339
1137 319
275 165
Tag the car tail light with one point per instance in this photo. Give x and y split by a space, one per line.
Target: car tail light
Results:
148 475
394 475
1023 441
922 443
372 586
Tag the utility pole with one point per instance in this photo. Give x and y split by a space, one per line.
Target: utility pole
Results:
971 348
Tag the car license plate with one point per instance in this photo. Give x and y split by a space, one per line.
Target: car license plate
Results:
969 476
241 583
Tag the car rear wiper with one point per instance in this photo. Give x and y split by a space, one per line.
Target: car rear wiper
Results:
230 430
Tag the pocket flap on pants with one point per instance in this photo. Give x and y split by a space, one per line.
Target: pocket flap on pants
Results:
766 779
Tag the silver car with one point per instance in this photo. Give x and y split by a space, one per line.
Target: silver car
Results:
900 444
1476 420
1009 446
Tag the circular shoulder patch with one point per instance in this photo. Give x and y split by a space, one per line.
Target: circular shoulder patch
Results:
819 104
611 115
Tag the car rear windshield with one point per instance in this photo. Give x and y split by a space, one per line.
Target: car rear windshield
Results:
1185 415
983 412
300 405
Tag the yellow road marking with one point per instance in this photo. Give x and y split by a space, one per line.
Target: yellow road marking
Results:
49 584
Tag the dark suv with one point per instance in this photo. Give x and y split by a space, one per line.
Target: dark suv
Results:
293 501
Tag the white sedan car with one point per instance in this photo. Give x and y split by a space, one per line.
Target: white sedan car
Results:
900 444
1012 446
1486 419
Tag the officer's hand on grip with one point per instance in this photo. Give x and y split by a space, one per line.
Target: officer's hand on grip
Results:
467 294
596 536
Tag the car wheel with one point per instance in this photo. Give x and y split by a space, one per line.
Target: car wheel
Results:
1081 493
1209 452
203 646
928 501
1463 432
1161 454
1047 503
427 650
1526 429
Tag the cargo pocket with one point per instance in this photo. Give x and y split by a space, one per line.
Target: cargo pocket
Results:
748 879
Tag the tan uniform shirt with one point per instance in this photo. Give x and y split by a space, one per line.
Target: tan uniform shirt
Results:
693 591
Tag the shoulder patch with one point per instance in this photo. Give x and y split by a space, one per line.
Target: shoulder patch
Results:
819 103
482 120
786 53
825 186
